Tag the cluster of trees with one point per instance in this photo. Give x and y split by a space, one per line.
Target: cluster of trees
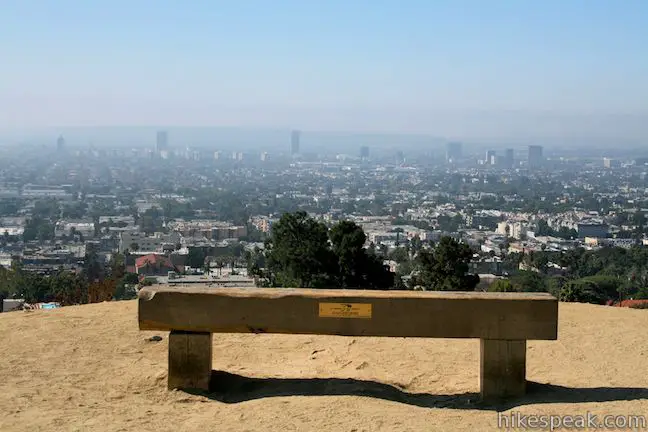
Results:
565 233
304 252
91 285
601 276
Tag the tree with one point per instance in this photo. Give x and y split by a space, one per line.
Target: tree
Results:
356 267
543 228
593 289
399 255
93 268
399 284
151 221
416 244
125 287
68 288
117 266
528 281
196 257
446 267
39 229
501 285
297 253
398 232
32 287
101 291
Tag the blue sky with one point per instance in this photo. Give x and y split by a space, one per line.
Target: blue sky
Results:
446 67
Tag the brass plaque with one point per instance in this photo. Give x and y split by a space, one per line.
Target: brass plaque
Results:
345 310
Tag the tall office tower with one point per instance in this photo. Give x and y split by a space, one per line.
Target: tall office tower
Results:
60 144
400 157
609 163
535 159
453 152
490 157
364 152
508 159
294 142
161 142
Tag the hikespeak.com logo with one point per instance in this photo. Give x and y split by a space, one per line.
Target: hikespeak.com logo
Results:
588 421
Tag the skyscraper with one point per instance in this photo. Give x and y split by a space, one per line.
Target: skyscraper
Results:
509 159
490 157
609 163
364 152
453 152
294 142
60 144
535 159
161 142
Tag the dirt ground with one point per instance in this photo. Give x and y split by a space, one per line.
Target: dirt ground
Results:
89 368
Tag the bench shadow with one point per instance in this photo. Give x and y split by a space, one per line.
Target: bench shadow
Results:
232 388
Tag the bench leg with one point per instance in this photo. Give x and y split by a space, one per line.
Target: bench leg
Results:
503 368
190 360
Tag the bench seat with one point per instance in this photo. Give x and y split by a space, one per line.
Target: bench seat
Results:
502 321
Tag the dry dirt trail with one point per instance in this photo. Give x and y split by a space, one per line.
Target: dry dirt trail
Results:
89 368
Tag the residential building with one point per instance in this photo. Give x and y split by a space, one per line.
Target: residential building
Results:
153 265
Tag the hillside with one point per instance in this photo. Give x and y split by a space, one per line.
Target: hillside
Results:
88 368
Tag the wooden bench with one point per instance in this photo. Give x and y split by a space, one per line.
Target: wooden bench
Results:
502 321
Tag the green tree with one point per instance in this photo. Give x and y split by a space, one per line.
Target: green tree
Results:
445 268
125 287
593 289
298 254
356 267
399 255
528 281
196 257
68 288
151 221
39 229
501 285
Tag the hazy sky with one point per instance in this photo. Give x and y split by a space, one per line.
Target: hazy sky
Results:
445 67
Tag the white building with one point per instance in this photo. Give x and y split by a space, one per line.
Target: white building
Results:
146 243
63 228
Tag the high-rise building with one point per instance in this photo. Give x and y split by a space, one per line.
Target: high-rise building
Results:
453 152
60 144
509 159
364 152
490 157
400 157
294 142
609 163
535 159
161 141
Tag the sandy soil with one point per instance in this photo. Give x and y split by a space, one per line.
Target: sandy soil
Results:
89 368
